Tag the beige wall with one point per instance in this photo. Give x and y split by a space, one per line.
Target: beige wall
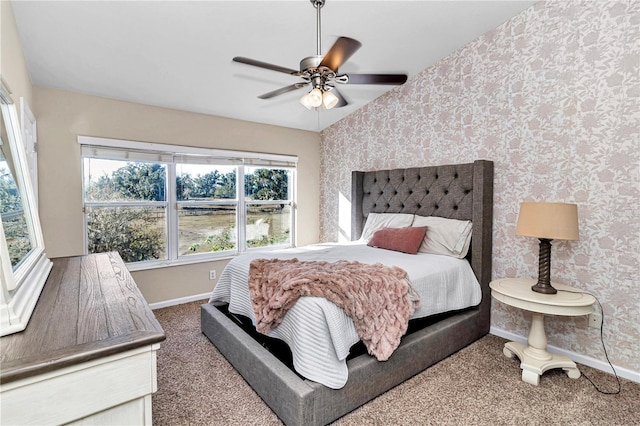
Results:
13 67
63 115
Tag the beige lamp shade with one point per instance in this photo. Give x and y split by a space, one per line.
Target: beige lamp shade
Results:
553 221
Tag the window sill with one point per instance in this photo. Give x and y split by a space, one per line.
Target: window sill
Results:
194 259
158 264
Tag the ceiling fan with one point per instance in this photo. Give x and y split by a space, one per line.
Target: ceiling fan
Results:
321 72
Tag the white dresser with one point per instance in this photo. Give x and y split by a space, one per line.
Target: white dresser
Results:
88 354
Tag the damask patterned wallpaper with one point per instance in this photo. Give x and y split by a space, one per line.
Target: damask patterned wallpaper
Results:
553 98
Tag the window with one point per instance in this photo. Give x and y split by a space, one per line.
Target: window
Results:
207 208
158 208
14 221
126 208
267 206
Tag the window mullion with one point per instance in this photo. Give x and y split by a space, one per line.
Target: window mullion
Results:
98 204
293 191
172 213
241 215
85 214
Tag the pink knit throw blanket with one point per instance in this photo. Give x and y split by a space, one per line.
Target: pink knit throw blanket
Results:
378 298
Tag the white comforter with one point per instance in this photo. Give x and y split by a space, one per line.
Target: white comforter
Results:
319 333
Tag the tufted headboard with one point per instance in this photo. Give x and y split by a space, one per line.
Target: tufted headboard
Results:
456 191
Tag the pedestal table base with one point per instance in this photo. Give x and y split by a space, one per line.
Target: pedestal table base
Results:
534 358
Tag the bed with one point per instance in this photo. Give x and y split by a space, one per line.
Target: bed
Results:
461 191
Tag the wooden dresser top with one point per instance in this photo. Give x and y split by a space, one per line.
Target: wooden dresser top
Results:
89 308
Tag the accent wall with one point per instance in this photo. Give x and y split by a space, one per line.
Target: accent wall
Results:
551 96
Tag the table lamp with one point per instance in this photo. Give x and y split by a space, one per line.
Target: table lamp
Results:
547 221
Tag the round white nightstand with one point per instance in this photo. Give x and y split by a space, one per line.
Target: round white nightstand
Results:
534 358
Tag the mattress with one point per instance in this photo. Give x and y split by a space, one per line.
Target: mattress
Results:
319 333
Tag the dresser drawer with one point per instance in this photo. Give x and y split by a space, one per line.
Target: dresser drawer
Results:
72 393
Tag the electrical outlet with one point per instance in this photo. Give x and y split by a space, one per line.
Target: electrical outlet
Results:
212 274
595 319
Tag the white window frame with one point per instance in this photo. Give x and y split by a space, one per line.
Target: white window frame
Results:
171 155
20 287
30 140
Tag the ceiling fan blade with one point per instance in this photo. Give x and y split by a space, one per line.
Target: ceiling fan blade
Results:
283 90
340 52
375 79
266 65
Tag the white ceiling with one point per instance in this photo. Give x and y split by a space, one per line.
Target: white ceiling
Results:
179 54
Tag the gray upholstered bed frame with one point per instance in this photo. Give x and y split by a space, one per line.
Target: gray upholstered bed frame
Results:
460 191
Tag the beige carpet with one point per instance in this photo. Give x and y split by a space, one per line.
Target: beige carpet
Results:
476 386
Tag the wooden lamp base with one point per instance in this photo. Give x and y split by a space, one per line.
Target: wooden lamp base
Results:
544 269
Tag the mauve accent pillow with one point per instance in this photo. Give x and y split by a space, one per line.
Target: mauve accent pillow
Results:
406 240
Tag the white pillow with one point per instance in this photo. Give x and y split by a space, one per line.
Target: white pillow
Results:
450 237
376 221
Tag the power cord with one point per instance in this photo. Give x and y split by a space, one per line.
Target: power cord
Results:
603 347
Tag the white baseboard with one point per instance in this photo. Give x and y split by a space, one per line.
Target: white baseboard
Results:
179 301
634 376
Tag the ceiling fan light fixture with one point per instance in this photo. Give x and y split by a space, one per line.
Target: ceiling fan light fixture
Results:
313 99
315 96
305 101
329 100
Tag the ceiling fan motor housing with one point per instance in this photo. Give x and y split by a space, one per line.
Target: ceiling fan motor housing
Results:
318 75
310 62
